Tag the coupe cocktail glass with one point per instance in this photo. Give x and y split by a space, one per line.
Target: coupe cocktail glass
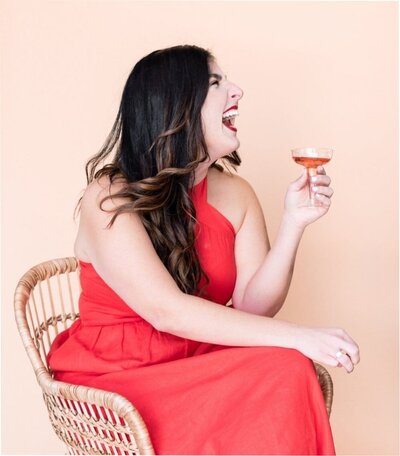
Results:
311 158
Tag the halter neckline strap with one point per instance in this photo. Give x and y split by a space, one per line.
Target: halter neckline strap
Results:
200 188
199 195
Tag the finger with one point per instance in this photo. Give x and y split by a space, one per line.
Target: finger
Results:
299 183
321 170
324 200
352 351
330 361
346 362
321 179
327 191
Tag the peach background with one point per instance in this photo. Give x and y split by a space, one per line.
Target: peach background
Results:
313 73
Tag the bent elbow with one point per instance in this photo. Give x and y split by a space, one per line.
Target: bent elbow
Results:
161 323
165 319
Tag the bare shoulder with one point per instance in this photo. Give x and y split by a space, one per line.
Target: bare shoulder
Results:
95 214
230 181
231 194
99 189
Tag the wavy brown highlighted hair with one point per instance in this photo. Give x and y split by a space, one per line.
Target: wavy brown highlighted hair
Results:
158 142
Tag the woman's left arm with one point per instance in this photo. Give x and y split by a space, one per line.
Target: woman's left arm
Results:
264 273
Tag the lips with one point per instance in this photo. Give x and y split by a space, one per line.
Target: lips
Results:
232 107
231 127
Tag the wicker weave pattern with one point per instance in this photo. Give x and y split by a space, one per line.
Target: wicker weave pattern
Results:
326 384
89 429
87 420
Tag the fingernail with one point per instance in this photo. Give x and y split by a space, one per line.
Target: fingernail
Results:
314 188
314 178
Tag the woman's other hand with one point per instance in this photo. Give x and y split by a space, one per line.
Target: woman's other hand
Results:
297 198
330 346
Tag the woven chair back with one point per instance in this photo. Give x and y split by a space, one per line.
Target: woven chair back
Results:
87 420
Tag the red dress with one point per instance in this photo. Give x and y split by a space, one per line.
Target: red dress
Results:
195 398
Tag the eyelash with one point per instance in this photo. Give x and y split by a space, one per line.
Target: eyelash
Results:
215 82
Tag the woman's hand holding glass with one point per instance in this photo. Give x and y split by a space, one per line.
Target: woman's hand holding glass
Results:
297 207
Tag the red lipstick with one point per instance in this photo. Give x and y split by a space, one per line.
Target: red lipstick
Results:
232 107
231 127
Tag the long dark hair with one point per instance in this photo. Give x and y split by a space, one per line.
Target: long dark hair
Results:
159 142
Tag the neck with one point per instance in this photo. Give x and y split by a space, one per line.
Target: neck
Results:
200 174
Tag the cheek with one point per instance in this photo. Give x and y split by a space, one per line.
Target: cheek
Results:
211 125
214 133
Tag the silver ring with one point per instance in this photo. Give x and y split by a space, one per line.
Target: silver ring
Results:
340 353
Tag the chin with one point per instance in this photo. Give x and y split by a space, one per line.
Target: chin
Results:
222 148
233 148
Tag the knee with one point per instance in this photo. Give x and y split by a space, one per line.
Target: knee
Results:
295 361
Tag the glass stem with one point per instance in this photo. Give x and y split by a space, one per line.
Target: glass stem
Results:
311 172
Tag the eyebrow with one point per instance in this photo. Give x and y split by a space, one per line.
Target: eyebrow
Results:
217 76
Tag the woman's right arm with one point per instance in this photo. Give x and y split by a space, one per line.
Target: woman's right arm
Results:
125 258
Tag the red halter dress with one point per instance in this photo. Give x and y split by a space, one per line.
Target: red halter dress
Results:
195 397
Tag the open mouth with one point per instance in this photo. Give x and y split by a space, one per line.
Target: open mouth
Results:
228 119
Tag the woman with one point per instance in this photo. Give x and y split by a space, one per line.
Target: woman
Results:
166 239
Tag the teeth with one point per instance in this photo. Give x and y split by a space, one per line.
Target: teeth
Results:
231 113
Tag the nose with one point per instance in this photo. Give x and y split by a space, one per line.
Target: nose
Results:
236 92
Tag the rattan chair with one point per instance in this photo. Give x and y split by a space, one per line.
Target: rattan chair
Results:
87 420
